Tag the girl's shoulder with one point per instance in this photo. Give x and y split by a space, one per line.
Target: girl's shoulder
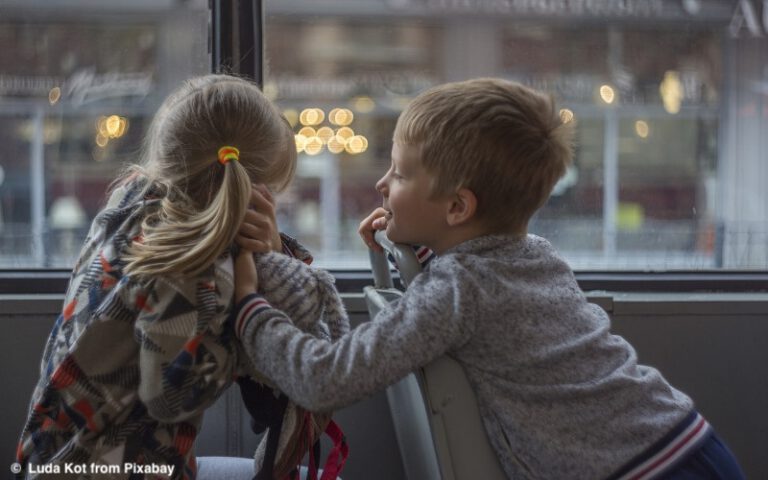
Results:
131 189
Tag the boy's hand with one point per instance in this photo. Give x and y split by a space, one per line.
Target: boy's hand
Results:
246 278
258 232
375 221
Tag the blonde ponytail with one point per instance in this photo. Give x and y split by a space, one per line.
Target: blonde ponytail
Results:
180 243
204 200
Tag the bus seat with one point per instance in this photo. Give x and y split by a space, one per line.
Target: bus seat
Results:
434 410
458 430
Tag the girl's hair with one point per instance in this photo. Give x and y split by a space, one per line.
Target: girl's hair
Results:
504 141
204 201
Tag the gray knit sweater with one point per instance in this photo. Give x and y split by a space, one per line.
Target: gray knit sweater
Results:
561 397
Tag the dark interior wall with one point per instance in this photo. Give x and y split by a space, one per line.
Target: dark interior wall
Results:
721 361
715 348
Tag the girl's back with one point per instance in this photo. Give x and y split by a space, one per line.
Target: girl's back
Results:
142 347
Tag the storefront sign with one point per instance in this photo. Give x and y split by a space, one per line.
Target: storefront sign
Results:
747 20
26 85
87 86
622 8
371 83
83 86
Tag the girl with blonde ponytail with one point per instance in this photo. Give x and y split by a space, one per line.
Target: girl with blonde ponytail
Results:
203 200
144 342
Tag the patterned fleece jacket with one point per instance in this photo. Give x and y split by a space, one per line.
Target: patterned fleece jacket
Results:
131 365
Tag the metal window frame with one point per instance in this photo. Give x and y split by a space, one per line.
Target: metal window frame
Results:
54 281
236 38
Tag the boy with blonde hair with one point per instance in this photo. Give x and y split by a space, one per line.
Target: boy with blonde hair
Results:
560 396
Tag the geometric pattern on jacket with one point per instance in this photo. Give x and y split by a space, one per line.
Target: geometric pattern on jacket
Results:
130 366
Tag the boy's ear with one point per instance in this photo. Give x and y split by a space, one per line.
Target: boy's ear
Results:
463 207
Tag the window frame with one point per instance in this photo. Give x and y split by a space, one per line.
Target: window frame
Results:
54 281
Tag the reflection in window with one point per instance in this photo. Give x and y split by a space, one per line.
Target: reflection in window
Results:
76 94
667 98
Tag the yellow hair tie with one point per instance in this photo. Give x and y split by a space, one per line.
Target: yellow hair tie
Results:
228 153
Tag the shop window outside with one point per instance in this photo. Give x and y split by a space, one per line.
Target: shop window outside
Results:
78 87
670 162
661 156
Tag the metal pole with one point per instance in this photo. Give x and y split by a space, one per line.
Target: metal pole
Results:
251 40
330 204
221 35
237 45
37 188
611 150
610 181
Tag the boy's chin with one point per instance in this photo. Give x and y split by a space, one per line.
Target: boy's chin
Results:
394 236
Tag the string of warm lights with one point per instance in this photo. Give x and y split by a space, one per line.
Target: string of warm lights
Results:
312 138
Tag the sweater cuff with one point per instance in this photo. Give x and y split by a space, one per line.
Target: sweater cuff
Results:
247 309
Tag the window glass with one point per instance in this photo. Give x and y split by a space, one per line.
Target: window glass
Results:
79 83
669 100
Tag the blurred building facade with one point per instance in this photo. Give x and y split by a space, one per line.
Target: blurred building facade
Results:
670 100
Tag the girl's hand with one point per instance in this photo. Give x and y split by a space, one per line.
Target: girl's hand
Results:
375 221
246 278
258 232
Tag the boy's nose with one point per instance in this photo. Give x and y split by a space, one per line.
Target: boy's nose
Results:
381 185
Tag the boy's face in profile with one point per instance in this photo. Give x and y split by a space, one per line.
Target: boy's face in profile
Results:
413 217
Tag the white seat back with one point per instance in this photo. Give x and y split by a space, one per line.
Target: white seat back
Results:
434 410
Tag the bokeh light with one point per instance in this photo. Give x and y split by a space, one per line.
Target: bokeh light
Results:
607 94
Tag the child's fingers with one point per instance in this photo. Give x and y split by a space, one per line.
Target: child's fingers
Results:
252 244
380 223
367 224
255 232
266 192
367 235
261 226
367 228
261 199
257 219
250 230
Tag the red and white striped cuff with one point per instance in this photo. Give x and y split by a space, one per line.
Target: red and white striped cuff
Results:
684 442
249 307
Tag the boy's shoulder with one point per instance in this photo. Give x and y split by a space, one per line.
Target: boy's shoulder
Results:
501 246
499 256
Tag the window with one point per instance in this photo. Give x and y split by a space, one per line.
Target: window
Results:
669 100
79 83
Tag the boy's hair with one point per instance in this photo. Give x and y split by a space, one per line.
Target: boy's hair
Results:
503 141
203 201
